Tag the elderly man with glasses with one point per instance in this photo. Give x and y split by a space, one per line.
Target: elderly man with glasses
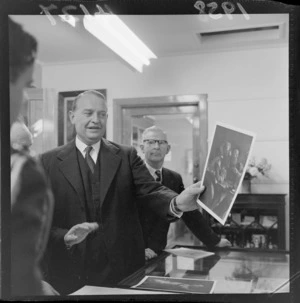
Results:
155 147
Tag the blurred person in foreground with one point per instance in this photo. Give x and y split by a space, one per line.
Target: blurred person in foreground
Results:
31 199
155 147
21 138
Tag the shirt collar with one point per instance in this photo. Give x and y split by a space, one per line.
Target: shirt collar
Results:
153 170
82 146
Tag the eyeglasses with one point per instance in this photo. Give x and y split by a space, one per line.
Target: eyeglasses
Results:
152 142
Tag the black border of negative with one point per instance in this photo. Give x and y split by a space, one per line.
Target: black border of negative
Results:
157 7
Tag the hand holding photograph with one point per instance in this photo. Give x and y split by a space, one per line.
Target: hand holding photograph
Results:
224 169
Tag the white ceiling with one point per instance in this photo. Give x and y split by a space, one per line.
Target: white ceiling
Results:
169 35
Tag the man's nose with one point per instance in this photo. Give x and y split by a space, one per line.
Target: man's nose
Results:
95 118
156 144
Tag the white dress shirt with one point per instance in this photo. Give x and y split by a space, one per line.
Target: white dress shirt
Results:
153 170
82 146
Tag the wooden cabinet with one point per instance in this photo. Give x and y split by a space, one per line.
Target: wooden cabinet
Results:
256 221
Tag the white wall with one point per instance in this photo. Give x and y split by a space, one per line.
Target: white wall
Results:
247 89
38 75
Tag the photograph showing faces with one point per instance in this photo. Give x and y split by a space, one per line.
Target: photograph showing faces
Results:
224 169
181 285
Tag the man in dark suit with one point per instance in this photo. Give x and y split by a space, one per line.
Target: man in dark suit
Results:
155 147
96 237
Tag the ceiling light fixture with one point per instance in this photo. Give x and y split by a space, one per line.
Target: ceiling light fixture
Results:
115 34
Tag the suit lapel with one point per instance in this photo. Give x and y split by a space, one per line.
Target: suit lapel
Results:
166 180
109 164
69 167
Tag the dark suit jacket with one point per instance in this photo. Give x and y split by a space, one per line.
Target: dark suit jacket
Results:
155 230
123 177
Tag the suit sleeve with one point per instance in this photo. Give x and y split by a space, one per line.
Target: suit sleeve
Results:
157 238
195 221
181 186
153 195
31 214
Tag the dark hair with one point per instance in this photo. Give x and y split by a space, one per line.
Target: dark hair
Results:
22 49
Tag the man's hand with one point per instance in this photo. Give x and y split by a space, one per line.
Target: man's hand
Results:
187 200
224 243
79 232
149 254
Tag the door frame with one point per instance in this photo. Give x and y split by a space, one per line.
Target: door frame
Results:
121 106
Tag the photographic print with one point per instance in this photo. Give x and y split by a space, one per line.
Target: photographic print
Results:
177 285
224 169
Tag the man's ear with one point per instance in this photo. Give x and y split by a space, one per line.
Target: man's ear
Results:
168 149
71 116
142 148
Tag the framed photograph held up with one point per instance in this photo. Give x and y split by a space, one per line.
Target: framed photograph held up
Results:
66 131
224 169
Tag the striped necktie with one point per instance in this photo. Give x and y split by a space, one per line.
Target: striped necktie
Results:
88 159
158 174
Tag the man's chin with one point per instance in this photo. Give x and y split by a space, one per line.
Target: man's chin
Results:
94 139
156 159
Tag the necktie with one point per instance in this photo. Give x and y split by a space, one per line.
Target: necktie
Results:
158 174
88 159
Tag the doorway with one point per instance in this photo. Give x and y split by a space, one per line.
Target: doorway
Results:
184 119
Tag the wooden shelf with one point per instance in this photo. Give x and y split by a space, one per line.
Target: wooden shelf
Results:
256 205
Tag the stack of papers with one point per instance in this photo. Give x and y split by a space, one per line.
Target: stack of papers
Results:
189 253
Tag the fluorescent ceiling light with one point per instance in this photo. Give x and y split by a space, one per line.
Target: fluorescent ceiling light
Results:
115 34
